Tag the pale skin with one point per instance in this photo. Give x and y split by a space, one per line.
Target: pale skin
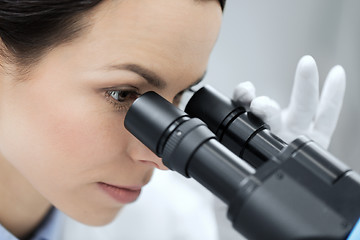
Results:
61 129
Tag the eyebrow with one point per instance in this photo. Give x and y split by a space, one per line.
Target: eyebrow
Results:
151 77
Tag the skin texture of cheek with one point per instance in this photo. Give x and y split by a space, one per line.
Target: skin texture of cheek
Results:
69 147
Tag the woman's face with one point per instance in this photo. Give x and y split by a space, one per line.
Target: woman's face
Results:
62 128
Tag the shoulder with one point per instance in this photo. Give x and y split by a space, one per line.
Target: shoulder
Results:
5 234
52 226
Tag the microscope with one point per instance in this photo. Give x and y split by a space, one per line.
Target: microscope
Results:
273 190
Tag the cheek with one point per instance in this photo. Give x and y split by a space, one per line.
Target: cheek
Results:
64 147
56 139
75 133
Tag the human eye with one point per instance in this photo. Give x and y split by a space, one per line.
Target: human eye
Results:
121 99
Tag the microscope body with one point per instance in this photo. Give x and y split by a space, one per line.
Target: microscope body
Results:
274 190
302 193
299 191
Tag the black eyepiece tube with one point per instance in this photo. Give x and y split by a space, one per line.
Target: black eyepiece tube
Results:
150 123
299 192
186 145
240 131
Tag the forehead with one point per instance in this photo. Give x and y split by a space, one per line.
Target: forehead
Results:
158 14
157 31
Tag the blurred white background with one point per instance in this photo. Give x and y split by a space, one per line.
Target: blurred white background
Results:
262 41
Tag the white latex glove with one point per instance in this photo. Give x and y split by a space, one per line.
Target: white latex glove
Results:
306 114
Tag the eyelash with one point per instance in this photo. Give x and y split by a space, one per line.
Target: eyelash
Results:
121 99
124 105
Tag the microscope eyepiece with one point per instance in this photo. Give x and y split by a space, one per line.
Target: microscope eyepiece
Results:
186 145
265 183
242 132
153 120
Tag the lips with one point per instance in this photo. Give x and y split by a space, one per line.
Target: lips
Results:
121 194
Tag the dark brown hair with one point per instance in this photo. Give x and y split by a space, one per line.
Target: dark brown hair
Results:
28 28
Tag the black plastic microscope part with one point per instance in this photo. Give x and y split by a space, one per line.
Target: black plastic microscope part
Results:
295 191
242 132
175 137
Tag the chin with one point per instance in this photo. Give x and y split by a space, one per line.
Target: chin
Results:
99 218
98 222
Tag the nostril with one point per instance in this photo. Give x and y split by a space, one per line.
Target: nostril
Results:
151 163
154 164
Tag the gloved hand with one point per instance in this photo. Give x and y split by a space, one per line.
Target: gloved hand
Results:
306 114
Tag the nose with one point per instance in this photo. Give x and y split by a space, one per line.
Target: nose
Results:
140 153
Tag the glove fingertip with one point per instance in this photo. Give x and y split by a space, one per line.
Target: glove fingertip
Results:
307 66
244 93
265 102
338 76
265 108
269 111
